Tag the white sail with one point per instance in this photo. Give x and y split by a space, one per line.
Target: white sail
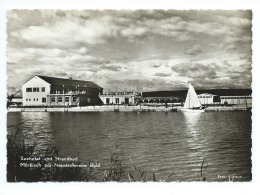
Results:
192 100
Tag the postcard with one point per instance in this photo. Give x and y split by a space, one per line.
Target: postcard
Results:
129 96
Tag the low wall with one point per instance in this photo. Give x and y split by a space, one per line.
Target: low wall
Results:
121 108
228 108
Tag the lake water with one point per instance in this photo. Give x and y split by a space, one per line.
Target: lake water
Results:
164 143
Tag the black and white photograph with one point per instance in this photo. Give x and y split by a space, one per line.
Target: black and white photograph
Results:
129 95
129 98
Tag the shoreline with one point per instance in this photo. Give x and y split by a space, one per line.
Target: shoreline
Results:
122 108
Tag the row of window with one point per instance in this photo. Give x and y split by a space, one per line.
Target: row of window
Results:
226 97
35 89
204 96
108 100
236 98
36 99
71 91
67 99
53 99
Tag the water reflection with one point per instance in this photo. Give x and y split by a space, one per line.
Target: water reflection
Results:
194 141
41 133
191 120
192 129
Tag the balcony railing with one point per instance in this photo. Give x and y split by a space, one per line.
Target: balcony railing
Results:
69 92
122 93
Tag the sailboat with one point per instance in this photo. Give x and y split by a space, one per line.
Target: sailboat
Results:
192 102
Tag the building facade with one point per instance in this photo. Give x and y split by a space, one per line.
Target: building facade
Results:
120 98
241 100
207 99
51 91
174 100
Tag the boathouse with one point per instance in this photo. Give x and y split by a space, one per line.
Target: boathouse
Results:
52 91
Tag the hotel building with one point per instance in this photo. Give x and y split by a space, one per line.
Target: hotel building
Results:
51 91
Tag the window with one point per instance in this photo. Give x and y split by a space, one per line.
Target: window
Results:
36 89
67 99
43 89
36 99
74 99
53 99
28 89
26 99
117 100
29 99
33 99
60 99
43 100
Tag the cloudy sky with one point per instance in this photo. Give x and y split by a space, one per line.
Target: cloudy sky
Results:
148 49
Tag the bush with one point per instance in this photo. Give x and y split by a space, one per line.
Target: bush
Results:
16 150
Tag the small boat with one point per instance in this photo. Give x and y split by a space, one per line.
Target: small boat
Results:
192 102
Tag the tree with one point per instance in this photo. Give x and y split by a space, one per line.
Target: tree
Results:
10 98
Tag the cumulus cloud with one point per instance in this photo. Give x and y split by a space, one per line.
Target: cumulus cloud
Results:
112 68
71 30
162 74
137 84
142 48
216 75
193 50
196 70
156 65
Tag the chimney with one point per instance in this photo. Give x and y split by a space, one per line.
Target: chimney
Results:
70 78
